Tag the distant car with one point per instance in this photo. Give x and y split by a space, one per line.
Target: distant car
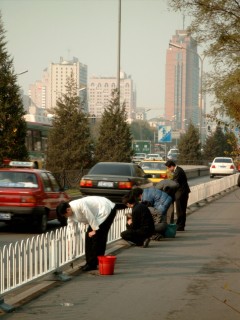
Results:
112 179
173 154
156 168
222 166
153 156
138 157
29 195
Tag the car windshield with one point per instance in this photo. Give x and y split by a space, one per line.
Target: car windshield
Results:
223 160
110 169
139 155
10 179
153 165
152 156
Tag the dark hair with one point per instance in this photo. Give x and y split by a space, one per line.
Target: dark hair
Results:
62 209
137 191
129 198
170 163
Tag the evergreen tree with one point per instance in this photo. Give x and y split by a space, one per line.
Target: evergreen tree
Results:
219 144
115 141
209 148
69 144
189 146
13 128
141 130
231 149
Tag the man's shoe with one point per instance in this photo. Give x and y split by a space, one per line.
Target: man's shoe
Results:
87 267
146 242
180 228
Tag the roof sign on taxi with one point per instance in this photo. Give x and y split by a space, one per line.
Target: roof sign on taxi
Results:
22 164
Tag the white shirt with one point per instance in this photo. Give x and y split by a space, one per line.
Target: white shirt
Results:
90 210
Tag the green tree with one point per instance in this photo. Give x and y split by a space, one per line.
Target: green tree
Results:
220 144
216 24
189 146
209 152
115 140
141 130
231 149
69 144
13 128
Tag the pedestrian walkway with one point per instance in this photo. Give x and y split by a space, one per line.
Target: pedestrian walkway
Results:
193 276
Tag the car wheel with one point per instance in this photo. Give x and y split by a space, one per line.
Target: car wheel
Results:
42 223
211 176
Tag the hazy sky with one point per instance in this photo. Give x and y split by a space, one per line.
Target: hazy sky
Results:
39 32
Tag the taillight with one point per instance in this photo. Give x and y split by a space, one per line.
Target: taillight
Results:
164 175
28 199
125 185
213 166
86 183
232 166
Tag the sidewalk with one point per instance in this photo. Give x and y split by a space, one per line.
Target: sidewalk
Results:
194 276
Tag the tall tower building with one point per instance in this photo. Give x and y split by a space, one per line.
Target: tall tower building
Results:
100 89
58 75
44 93
182 81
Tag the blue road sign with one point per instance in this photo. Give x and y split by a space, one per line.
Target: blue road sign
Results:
164 134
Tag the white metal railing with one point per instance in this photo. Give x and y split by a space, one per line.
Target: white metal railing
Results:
24 261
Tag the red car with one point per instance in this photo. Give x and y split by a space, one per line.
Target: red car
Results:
29 195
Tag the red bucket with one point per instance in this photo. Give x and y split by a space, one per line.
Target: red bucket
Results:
106 264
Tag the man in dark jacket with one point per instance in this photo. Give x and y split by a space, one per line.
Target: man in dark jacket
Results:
140 226
182 193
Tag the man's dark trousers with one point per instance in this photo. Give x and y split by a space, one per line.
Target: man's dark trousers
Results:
96 246
181 208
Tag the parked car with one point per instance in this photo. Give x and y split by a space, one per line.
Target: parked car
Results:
112 179
222 166
29 195
173 154
138 157
153 156
156 168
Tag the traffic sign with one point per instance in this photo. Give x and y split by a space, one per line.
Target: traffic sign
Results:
164 134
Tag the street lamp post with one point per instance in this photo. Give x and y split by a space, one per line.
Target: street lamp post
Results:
119 48
200 103
19 74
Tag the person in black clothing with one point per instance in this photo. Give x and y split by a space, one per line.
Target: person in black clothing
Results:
140 226
182 193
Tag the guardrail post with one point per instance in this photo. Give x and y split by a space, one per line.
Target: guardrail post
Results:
5 307
62 276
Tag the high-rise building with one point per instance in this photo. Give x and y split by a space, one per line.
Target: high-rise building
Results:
44 93
182 81
59 73
99 94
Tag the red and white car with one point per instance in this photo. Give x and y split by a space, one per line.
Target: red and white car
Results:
29 195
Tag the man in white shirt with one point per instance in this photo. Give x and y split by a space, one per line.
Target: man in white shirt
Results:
98 213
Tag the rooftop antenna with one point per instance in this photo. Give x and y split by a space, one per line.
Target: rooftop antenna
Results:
183 21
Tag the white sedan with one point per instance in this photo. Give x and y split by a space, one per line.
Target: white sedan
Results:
222 166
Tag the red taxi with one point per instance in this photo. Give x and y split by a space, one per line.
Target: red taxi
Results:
29 195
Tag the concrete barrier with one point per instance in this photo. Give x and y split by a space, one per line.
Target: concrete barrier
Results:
195 171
